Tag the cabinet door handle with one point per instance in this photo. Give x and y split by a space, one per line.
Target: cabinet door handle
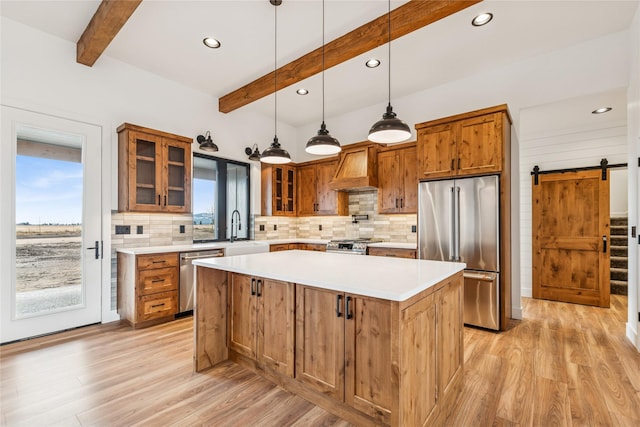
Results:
253 286
158 200
453 164
348 309
338 305
259 287
458 163
165 200
604 244
401 203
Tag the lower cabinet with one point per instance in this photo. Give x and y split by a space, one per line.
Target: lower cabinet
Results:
261 321
368 360
343 348
392 252
277 247
147 288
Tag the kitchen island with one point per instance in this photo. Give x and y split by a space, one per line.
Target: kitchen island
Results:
374 340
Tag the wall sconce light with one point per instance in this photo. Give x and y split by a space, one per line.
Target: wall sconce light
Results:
206 143
253 152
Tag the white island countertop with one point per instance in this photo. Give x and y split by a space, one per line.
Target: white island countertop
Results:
395 279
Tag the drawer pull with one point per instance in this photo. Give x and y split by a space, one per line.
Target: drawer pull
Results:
158 280
157 305
158 262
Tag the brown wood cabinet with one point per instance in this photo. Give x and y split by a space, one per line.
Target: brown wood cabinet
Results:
314 195
398 179
349 346
147 288
261 321
301 246
392 252
466 144
278 190
368 360
154 170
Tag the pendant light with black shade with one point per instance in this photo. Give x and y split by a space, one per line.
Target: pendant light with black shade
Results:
275 153
390 129
323 143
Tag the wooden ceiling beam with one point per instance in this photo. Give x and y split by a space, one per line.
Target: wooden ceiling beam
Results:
404 19
103 27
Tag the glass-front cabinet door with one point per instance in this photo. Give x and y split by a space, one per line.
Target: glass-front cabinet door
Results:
154 171
145 156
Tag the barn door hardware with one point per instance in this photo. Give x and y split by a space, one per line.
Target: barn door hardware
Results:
604 165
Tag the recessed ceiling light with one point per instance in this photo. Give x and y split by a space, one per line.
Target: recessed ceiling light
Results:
372 63
302 91
602 110
211 42
482 19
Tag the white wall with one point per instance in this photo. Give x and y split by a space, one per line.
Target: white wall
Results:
39 73
633 140
618 193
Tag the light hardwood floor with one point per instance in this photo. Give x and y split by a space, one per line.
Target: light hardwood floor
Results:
564 365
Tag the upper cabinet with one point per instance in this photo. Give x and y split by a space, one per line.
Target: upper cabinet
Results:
278 190
466 144
154 170
398 179
314 195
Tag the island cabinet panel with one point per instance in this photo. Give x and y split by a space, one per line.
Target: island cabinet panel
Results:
418 395
261 321
368 356
450 334
276 326
320 340
243 313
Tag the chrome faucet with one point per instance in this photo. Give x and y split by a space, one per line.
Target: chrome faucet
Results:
233 237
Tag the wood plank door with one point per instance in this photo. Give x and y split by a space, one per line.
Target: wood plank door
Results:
571 238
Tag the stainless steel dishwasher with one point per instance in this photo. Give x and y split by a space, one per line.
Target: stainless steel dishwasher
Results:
187 279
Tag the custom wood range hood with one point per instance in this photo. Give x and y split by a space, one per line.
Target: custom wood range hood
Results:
357 169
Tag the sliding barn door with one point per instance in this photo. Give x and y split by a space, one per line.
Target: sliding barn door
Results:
571 237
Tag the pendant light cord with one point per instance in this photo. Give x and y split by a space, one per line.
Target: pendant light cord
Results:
322 61
389 46
275 71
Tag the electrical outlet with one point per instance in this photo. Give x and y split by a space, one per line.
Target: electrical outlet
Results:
182 229
320 227
414 229
139 229
123 229
275 227
261 227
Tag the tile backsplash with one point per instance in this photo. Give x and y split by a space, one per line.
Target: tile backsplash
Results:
392 228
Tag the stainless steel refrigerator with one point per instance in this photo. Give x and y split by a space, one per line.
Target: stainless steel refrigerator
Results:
458 220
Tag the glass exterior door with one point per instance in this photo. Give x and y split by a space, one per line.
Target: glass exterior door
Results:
55 248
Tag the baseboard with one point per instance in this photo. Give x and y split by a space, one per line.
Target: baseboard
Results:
526 292
632 335
516 313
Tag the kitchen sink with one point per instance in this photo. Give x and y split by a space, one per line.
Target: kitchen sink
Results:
246 247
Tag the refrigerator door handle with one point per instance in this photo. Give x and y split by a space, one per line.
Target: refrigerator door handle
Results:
452 224
456 226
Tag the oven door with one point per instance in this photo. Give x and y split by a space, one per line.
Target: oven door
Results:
342 251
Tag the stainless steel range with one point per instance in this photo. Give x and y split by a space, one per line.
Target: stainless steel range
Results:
350 246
